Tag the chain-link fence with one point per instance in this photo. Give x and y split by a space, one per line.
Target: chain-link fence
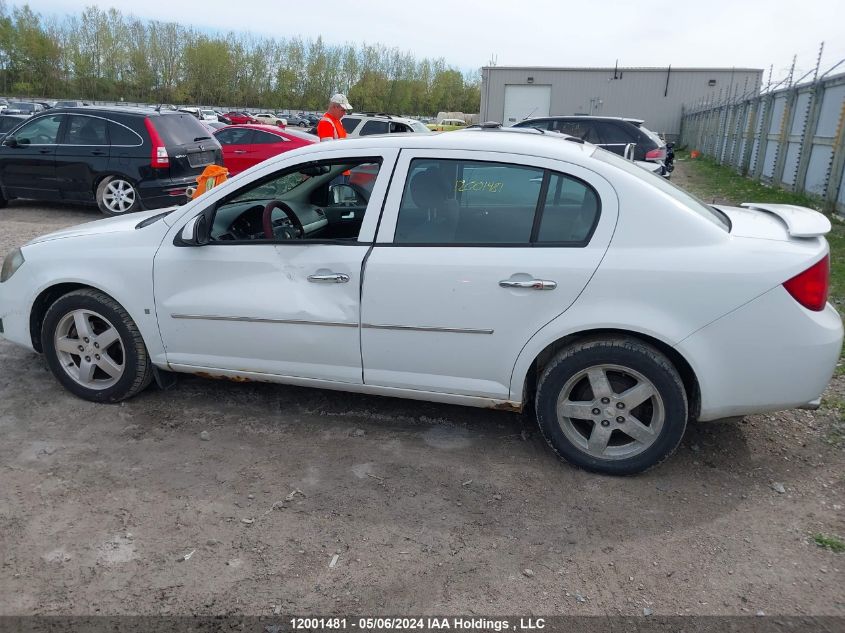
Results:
792 138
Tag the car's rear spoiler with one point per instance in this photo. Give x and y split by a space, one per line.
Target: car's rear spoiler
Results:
799 221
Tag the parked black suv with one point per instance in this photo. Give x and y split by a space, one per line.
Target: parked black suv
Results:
612 133
126 159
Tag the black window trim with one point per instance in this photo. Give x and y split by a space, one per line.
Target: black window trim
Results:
314 163
538 215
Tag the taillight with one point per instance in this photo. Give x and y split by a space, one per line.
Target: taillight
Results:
158 158
811 287
656 154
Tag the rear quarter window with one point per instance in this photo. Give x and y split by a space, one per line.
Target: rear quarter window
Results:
122 135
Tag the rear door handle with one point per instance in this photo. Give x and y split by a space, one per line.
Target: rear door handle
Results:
239 151
531 284
328 278
98 152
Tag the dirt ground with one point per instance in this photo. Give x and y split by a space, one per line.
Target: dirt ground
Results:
428 508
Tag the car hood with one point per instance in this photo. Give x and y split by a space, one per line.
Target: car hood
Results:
108 225
775 221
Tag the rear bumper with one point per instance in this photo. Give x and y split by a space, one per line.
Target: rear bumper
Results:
769 355
165 192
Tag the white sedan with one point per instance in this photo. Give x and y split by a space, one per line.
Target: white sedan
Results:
486 267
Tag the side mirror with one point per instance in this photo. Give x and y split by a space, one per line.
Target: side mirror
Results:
10 141
195 232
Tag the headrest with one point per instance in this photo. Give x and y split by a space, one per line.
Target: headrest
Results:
428 189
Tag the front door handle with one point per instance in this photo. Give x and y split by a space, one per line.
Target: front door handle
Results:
328 278
531 284
239 151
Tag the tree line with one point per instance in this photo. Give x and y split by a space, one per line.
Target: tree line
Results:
105 55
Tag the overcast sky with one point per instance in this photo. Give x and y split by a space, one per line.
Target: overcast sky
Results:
467 33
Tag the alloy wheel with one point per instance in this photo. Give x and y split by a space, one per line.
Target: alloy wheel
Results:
610 411
119 196
90 349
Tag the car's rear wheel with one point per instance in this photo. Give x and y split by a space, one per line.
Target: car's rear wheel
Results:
614 406
117 195
94 348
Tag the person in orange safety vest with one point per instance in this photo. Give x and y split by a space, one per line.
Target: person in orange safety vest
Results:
330 128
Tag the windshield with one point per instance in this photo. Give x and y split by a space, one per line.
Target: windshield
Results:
688 200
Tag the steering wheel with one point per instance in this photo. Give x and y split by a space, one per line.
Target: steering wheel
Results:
267 221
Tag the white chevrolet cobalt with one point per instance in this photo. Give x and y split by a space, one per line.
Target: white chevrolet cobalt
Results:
485 267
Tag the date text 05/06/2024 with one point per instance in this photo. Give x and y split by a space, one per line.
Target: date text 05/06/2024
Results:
411 623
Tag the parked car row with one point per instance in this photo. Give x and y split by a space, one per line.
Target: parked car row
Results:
127 159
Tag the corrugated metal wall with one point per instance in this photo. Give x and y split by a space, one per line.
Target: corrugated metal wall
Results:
656 95
792 138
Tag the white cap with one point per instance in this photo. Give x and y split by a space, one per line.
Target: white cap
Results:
341 100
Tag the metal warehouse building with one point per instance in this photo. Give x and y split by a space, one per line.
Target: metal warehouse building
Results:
657 95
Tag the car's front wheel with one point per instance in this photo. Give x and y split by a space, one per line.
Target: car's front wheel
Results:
614 406
94 348
117 195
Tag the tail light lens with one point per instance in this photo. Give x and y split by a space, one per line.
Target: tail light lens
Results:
811 287
656 154
158 158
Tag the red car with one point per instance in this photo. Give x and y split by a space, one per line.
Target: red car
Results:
248 145
239 118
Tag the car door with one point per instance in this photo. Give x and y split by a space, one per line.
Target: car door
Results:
237 148
265 145
81 155
476 251
28 159
281 307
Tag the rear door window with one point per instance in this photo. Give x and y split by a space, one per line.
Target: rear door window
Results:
468 202
265 138
86 130
234 136
374 127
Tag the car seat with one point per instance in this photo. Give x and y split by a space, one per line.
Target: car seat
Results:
436 217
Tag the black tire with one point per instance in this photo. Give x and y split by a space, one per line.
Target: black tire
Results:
302 124
107 199
625 363
136 366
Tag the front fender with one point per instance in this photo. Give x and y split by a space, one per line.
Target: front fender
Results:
119 265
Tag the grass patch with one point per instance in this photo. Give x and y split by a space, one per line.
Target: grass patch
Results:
832 543
713 182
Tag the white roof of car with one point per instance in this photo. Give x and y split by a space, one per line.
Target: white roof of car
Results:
513 140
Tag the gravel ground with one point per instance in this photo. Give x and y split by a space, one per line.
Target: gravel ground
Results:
427 508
